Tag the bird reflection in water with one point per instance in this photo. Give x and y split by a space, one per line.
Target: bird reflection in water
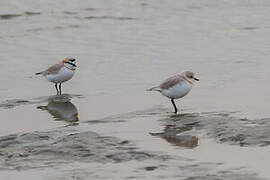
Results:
173 135
187 141
61 110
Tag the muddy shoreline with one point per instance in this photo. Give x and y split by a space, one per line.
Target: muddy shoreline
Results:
106 126
74 145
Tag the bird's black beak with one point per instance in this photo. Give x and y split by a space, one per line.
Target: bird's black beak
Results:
196 79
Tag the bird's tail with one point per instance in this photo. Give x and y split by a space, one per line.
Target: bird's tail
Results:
38 73
154 89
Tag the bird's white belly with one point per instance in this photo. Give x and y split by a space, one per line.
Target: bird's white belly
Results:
63 75
177 91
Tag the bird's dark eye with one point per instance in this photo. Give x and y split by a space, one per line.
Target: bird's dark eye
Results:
72 60
191 76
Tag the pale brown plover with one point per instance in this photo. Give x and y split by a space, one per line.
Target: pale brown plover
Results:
176 86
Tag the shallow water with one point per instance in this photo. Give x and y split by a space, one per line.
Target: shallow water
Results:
124 47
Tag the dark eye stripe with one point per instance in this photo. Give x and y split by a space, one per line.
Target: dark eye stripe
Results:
71 63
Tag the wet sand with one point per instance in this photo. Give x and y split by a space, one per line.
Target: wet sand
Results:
144 144
105 125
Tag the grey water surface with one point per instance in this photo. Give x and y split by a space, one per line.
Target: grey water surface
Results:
106 125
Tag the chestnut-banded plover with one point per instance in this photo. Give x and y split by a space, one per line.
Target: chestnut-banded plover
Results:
59 73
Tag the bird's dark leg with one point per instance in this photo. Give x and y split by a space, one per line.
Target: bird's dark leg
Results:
56 88
175 108
60 88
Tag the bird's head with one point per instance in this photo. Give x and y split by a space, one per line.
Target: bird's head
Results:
190 76
69 62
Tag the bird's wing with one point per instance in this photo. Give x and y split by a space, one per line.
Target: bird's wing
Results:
170 82
54 69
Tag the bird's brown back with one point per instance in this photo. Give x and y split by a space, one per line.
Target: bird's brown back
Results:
170 82
54 69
